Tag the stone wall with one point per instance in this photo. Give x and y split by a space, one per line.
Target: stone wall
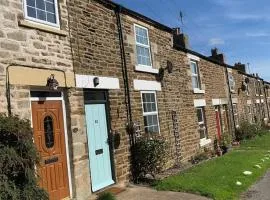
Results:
29 46
96 51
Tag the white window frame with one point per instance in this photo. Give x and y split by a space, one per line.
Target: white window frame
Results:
203 122
35 20
196 89
140 67
150 113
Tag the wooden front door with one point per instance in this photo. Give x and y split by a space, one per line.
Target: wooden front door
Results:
49 137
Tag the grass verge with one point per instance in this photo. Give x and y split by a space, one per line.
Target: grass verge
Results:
217 178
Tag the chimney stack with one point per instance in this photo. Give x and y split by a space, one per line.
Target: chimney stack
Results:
180 39
241 67
219 57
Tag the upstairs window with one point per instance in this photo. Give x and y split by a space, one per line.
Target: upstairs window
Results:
231 82
257 88
196 84
42 11
150 113
142 46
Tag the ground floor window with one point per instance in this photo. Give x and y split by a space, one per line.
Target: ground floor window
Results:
202 122
150 112
235 113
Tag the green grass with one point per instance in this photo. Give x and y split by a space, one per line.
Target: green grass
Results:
217 178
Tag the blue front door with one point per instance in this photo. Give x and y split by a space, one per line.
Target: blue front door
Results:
98 145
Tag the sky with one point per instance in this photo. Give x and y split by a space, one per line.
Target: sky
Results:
238 28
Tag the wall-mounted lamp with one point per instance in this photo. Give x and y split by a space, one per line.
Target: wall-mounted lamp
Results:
96 81
52 83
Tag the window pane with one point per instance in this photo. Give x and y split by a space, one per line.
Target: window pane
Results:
41 15
195 83
202 133
143 56
51 18
30 3
194 68
50 7
40 4
31 12
141 36
200 114
48 132
151 124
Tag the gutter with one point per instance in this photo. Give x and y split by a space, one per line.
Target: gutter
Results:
118 10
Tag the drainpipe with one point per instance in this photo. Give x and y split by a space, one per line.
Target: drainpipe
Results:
26 66
230 103
124 68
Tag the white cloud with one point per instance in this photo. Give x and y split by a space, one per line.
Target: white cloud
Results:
257 34
245 16
216 41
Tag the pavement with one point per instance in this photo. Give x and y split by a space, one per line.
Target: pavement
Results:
145 193
260 190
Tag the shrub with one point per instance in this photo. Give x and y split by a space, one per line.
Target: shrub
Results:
246 130
106 196
18 157
149 157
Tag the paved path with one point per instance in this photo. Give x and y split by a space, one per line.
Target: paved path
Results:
145 193
259 191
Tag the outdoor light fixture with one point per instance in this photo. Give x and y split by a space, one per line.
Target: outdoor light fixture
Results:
52 83
96 81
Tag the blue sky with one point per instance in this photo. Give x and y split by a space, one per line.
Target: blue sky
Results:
238 28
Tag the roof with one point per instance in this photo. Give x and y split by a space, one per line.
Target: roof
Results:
112 5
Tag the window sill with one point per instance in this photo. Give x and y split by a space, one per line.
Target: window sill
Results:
198 91
148 69
204 142
41 27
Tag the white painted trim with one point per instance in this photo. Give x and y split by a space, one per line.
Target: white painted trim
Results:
148 69
249 102
193 57
87 81
38 21
46 98
229 70
234 100
198 91
205 141
67 149
219 101
199 102
65 132
146 85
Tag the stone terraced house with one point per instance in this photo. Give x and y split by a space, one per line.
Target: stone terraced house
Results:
92 76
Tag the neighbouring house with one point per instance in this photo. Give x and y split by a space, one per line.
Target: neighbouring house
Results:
35 55
93 76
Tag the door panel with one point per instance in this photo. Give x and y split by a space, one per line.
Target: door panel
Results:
99 152
49 137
